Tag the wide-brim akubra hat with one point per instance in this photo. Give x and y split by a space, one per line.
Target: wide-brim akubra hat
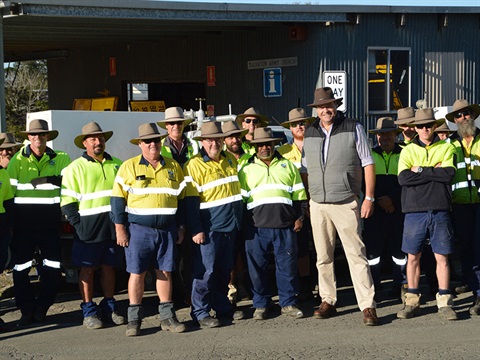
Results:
92 128
210 130
7 141
39 126
444 128
385 124
174 114
264 135
405 116
147 131
252 112
424 116
460 105
231 128
324 96
295 115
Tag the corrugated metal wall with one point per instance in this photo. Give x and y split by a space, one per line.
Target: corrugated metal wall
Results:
341 46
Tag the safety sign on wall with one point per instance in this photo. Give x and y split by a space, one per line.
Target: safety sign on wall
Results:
337 81
272 82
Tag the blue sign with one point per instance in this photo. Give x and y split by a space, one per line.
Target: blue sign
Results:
272 82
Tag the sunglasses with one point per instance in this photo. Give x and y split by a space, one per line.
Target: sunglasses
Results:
299 123
248 121
462 113
39 134
428 126
175 123
149 141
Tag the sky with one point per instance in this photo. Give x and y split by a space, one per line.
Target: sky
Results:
475 3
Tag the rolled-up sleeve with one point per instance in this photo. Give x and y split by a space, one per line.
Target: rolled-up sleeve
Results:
363 147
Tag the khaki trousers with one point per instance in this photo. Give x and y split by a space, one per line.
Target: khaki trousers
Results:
344 218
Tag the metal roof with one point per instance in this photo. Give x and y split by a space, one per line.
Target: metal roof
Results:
45 28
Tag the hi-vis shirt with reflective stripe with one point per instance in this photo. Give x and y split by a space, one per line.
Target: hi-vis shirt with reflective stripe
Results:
215 183
279 183
464 190
89 183
148 191
24 167
291 152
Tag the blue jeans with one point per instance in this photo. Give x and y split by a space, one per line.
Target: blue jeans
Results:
212 264
284 245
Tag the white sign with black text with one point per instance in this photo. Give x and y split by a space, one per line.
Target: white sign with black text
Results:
337 80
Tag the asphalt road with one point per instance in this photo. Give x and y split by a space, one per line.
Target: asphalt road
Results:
341 337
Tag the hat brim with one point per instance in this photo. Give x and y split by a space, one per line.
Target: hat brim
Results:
404 121
8 145
339 102
242 133
263 119
286 124
52 134
473 107
266 140
135 141
422 122
80 138
163 123
378 131
212 136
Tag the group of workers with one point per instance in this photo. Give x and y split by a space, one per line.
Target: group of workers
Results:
230 193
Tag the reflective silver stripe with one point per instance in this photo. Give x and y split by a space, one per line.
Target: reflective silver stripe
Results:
460 185
269 200
400 262
96 210
13 182
475 163
461 165
51 263
151 211
21 267
266 187
188 178
215 183
373 262
35 200
469 177
152 190
297 164
211 204
89 196
467 160
297 187
46 186
245 193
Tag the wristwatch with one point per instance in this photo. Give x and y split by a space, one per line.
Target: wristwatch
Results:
419 170
372 199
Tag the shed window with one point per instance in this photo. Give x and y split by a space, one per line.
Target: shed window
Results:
388 79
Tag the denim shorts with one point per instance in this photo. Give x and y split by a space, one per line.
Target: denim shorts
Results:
433 225
96 254
150 247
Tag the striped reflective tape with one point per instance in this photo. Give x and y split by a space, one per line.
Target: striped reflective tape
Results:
215 183
269 200
95 211
215 203
400 262
268 187
151 211
35 200
373 262
51 263
24 266
88 196
460 185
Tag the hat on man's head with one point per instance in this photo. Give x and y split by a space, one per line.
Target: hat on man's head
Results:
92 128
324 96
462 105
444 128
39 126
146 132
295 115
385 124
264 135
7 141
210 130
405 116
424 116
173 114
252 112
231 128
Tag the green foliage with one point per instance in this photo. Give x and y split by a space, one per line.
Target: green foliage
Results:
26 90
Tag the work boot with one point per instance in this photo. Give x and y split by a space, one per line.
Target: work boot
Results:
445 310
475 309
411 306
109 312
209 322
292 311
26 319
260 314
92 322
370 317
168 319
39 314
134 315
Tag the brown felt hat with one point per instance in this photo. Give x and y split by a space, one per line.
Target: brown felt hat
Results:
324 96
210 130
231 128
462 105
147 131
424 116
263 135
92 128
405 116
385 124
39 126
173 114
296 115
252 112
7 141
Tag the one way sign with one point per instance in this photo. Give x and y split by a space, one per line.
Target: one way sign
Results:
337 80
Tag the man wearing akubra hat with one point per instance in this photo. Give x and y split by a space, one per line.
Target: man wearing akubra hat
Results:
148 213
35 175
276 204
297 122
425 171
214 212
250 120
86 187
7 148
336 157
444 132
385 227
465 197
233 141
404 117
